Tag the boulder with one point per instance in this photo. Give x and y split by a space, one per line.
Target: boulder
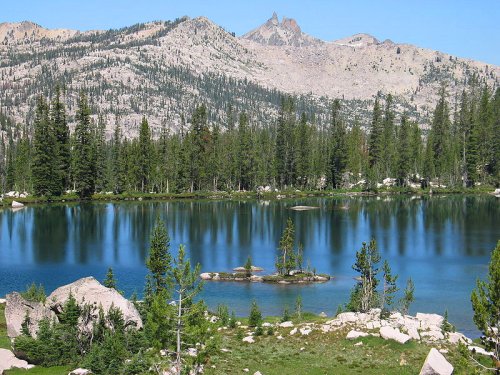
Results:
434 335
352 335
322 314
248 339
413 333
456 337
257 373
293 331
347 317
206 276
305 331
16 310
479 350
3 301
80 371
16 204
389 333
9 361
436 364
287 324
89 291
430 321
256 279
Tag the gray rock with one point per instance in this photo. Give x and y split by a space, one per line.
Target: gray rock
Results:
80 371
16 310
16 204
352 335
436 364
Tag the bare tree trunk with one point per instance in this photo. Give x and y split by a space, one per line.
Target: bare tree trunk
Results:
179 323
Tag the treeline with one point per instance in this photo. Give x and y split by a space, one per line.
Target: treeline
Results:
460 149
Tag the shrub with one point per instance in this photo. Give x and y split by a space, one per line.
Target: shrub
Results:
255 318
34 293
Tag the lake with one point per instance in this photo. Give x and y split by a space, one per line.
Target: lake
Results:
442 242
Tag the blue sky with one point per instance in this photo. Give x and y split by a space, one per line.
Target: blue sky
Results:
463 28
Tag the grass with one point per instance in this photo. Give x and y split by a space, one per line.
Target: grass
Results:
4 339
56 370
317 354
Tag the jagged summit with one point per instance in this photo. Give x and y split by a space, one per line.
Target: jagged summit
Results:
284 33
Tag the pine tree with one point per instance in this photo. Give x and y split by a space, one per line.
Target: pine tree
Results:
145 157
119 162
408 297
338 147
388 152
287 258
303 151
84 163
159 261
376 135
110 281
61 131
404 152
99 146
389 288
485 300
439 135
255 317
45 174
244 157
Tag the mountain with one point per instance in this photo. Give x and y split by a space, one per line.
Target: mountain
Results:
164 69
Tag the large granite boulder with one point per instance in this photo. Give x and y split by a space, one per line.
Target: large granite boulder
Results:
436 364
16 311
86 291
89 291
9 361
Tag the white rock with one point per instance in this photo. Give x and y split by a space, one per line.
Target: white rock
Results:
430 321
293 331
286 324
373 324
479 350
248 339
9 361
413 333
280 337
389 333
456 337
347 317
16 204
192 352
257 373
355 334
322 314
3 301
325 328
206 276
433 335
305 331
245 370
80 371
436 364
266 324
359 343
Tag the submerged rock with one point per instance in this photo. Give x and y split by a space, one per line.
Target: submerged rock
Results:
436 364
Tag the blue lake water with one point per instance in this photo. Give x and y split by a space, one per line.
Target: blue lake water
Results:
443 243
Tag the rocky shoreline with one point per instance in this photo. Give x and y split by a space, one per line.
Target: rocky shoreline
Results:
298 278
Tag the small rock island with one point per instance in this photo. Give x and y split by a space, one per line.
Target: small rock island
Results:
289 268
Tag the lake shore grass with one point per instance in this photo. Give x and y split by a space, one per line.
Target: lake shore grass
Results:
242 195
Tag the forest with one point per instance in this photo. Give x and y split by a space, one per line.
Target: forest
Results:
459 149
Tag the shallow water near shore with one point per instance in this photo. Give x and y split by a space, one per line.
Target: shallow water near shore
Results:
442 242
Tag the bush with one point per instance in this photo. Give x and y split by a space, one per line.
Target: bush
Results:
232 321
34 293
270 330
286 315
255 318
223 314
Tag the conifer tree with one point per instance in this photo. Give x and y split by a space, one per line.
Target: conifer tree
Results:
376 135
110 281
159 260
145 157
338 146
404 152
286 261
45 174
61 132
388 151
83 150
304 151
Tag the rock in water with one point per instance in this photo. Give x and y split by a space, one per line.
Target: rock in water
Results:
16 204
436 364
89 291
8 361
16 311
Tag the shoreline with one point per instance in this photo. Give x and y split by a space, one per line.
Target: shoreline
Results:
6 202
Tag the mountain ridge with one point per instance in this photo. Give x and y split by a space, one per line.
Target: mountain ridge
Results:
161 69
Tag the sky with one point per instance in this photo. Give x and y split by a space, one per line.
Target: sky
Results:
469 29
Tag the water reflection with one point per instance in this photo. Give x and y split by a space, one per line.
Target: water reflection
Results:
439 241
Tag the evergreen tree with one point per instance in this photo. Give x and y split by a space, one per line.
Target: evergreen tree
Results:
84 163
404 152
145 157
338 146
61 131
110 281
45 174
119 162
303 151
388 151
286 261
485 300
389 287
159 261
408 297
255 317
100 155
439 136
376 135
244 154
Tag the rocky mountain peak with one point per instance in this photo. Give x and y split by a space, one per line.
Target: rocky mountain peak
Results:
284 33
